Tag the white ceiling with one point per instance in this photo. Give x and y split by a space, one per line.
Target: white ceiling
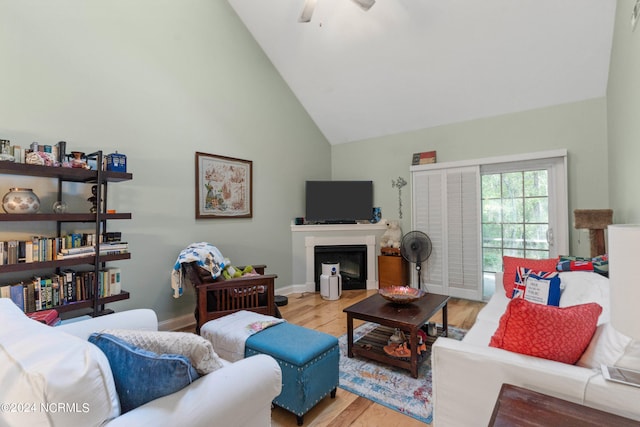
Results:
413 64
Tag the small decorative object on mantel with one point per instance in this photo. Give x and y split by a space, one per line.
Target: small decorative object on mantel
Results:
399 183
423 158
376 215
20 201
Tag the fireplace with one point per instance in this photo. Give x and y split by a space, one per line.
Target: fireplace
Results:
353 264
305 239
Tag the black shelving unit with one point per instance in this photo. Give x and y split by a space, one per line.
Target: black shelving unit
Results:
101 179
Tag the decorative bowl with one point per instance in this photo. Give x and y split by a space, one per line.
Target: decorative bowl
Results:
401 294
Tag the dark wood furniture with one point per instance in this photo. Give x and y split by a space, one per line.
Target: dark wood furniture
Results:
392 271
517 406
409 318
220 297
96 305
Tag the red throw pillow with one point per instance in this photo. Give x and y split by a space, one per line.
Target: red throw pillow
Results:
555 333
509 265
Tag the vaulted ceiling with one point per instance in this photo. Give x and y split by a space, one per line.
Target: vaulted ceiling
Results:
405 65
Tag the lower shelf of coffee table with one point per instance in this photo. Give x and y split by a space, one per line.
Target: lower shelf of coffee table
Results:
372 345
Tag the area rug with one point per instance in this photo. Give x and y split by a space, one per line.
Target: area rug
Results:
387 385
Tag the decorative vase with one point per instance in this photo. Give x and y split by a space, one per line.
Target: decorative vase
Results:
20 201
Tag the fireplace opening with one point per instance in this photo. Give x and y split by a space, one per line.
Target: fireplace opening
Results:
353 264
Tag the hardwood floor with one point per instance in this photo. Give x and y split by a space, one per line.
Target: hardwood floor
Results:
348 409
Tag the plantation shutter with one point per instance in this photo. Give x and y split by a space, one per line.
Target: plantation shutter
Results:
463 233
447 209
428 218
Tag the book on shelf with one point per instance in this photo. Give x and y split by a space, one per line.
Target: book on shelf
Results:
115 285
5 291
46 292
112 236
37 294
69 285
12 252
58 289
22 251
17 295
114 245
43 249
28 251
29 297
55 291
78 250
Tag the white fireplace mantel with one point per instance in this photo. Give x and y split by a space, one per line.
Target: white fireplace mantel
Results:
306 237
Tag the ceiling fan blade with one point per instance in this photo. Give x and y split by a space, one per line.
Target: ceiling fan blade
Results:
307 11
365 4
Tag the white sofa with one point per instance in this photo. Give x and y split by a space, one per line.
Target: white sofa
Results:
52 376
468 374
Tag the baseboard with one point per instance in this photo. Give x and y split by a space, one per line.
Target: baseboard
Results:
293 289
177 323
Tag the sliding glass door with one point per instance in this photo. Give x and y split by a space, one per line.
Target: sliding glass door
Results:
479 211
515 219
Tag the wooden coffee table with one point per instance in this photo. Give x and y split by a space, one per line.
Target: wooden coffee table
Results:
408 318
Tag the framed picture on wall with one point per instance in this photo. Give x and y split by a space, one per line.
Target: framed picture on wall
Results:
223 187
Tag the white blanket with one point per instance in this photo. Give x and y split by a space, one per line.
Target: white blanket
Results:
229 333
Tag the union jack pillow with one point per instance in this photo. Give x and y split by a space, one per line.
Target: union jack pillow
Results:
539 287
599 264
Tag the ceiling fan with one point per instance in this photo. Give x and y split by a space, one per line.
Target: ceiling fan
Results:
310 5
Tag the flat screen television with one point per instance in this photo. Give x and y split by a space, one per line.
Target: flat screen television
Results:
338 202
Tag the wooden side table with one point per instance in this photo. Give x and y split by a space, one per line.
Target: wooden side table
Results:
392 271
522 407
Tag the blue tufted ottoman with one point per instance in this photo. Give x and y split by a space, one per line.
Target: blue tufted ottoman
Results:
309 362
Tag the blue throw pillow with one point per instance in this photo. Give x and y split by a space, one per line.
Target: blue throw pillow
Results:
539 287
141 375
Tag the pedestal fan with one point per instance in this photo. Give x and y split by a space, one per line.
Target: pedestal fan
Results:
416 247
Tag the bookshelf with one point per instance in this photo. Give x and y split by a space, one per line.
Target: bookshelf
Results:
94 304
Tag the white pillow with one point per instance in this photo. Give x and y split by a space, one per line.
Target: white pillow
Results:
198 350
631 357
607 346
46 367
582 287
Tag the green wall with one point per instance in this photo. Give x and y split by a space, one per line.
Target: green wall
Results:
623 112
579 127
158 80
